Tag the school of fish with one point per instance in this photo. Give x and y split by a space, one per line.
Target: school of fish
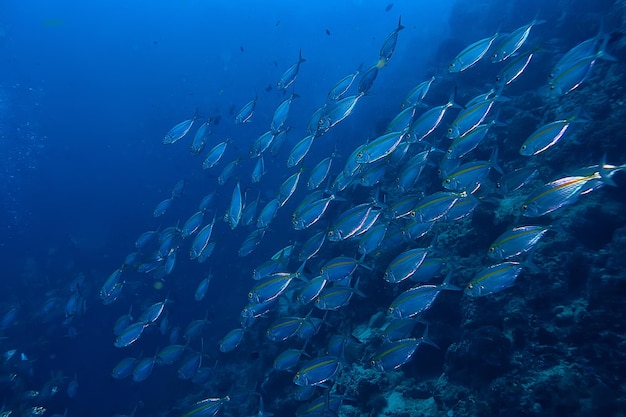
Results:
368 225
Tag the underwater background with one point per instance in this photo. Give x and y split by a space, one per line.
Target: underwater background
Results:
89 92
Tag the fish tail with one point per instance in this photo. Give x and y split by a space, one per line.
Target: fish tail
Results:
400 27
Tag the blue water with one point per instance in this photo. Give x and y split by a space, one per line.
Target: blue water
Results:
87 93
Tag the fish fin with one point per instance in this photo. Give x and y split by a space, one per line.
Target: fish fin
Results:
605 174
493 160
427 340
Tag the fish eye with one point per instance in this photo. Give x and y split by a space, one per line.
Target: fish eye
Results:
447 180
373 362
390 310
551 86
449 151
250 295
491 249
359 155
523 147
470 286
330 233
449 130
524 207
412 213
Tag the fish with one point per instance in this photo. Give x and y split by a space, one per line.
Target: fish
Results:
261 144
207 407
428 121
584 49
335 112
516 242
280 115
267 213
493 279
514 68
131 334
548 135
411 171
192 224
474 113
417 94
310 213
516 179
434 206
124 368
258 171
379 148
179 131
418 299
299 151
231 341
342 86
335 297
170 354
471 54
109 286
233 215
311 290
511 43
200 138
389 46
272 287
367 80
201 241
372 174
339 268
248 215
404 265
288 187
317 371
251 242
312 246
319 173
556 194
214 155
469 176
398 329
143 369
278 141
228 171
288 359
189 365
202 288
371 240
393 355
247 111
289 76
349 222
162 207
283 328
152 313
468 141
575 73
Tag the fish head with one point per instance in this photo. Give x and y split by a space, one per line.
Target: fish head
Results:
378 364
